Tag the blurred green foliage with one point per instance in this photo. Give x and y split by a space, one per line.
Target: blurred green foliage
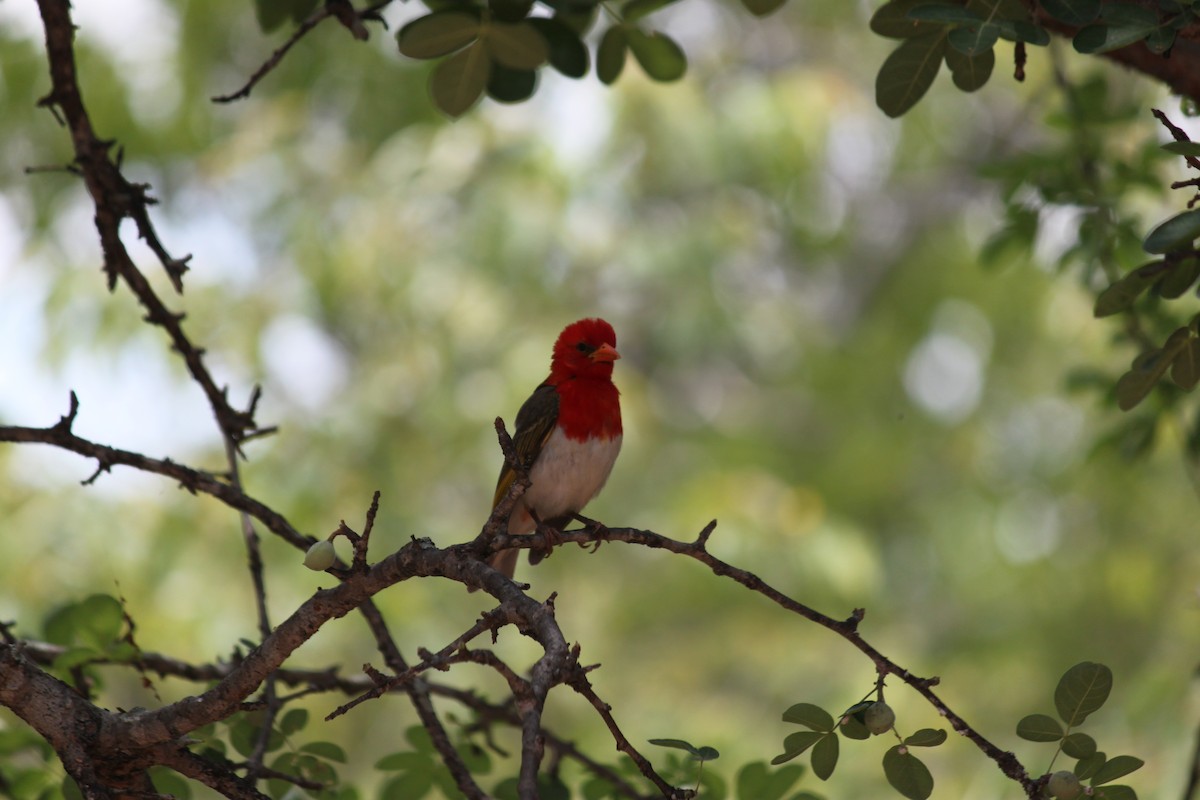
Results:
812 354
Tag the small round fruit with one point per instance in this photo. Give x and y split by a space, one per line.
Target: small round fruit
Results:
1064 785
320 556
879 717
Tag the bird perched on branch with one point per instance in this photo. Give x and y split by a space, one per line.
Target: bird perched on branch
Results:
567 436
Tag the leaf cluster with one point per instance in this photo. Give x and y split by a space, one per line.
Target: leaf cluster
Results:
1082 690
906 773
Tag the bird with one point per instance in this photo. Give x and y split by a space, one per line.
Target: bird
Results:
567 437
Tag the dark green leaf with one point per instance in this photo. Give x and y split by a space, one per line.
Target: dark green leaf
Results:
510 10
418 737
1039 728
1103 38
1116 767
972 40
908 73
273 13
756 781
568 54
926 737
1128 14
169 782
944 14
970 72
518 47
326 750
437 35
411 785
706 753
600 789
1086 767
825 756
294 719
891 20
1185 369
760 8
1072 12
1183 148
403 761
1081 690
610 55
634 10
551 787
1178 231
1179 278
659 55
810 716
511 85
1120 295
1115 793
678 744
457 83
797 743
907 774
1079 745
851 726
1161 40
1022 31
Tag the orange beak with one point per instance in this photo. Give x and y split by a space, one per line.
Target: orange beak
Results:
605 353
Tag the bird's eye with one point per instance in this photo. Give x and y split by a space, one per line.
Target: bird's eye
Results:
584 347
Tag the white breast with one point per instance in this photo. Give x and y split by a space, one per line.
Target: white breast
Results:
567 474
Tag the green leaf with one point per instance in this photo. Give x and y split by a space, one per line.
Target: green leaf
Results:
567 52
1072 12
293 720
1102 38
599 789
408 785
1183 148
891 21
511 85
907 774
510 10
401 762
661 58
1022 31
273 13
810 716
634 10
457 83
1185 369
796 743
169 782
972 40
1120 295
1086 767
1115 793
926 737
74 657
1116 767
1179 278
1039 728
437 35
1082 690
610 55
1079 745
1160 40
852 727
1133 387
518 47
1178 231
326 750
761 8
970 72
756 781
99 620
908 73
945 14
825 756
678 744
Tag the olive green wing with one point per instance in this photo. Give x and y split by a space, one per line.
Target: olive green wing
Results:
535 423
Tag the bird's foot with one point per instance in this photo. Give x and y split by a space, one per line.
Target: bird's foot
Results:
552 538
594 527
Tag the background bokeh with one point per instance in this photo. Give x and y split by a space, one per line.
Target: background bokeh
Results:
813 354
